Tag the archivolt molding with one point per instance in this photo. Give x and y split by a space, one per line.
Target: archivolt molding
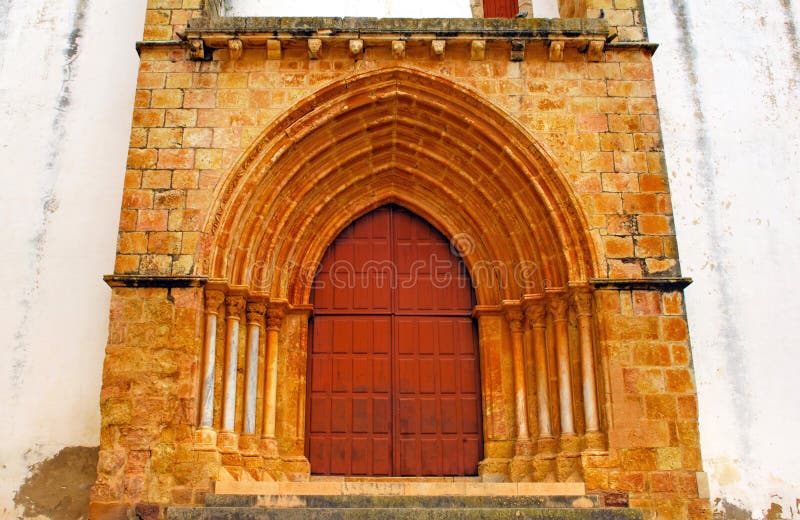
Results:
405 137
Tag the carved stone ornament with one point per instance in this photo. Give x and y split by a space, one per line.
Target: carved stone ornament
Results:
356 48
197 50
235 49
438 46
274 49
478 51
213 299
398 49
557 51
314 48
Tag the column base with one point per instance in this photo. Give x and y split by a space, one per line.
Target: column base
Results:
570 444
547 446
268 448
248 444
205 439
296 468
493 470
228 442
544 468
520 469
595 441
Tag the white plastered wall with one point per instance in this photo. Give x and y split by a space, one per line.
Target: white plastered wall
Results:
726 73
727 76
67 80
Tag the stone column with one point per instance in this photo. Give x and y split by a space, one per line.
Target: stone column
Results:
228 439
248 443
544 464
558 309
521 463
583 305
269 444
569 458
206 436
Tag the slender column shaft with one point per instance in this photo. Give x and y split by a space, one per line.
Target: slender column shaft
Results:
583 303
255 319
213 299
520 395
275 316
537 314
234 305
558 308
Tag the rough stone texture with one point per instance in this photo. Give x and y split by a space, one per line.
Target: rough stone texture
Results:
230 157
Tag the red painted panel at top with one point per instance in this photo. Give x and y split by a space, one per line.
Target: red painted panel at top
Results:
500 8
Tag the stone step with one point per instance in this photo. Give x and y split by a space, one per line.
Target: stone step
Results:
402 486
255 513
398 501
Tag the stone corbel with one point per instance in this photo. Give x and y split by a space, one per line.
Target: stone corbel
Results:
478 52
356 48
274 50
197 50
314 48
438 47
517 50
557 50
595 50
398 49
235 49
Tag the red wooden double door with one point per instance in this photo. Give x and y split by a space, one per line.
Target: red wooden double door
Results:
394 383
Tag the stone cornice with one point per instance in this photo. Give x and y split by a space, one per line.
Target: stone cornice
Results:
124 280
660 284
216 31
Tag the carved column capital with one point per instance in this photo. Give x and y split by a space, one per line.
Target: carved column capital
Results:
515 318
558 306
255 312
275 315
583 302
234 305
536 314
213 299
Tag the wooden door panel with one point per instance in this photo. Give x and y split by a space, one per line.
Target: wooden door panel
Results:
393 372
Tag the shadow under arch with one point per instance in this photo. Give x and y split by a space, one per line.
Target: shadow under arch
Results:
396 136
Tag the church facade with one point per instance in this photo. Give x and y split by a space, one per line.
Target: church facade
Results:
398 248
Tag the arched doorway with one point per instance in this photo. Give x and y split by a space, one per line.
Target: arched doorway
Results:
394 383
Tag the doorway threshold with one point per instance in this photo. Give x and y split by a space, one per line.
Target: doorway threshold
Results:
409 486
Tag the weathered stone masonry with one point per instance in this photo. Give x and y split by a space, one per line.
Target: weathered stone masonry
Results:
256 141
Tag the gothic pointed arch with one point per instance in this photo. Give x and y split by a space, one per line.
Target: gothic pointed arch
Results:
398 136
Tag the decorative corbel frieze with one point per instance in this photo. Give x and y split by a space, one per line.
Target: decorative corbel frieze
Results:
398 49
557 51
274 50
356 48
314 48
596 50
235 49
517 50
478 51
197 49
438 47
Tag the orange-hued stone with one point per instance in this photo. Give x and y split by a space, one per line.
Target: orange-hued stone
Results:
548 176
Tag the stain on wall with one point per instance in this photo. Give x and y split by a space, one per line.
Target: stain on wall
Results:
49 203
58 488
